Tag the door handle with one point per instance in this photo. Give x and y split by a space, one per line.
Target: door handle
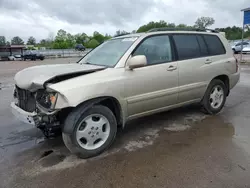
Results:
171 68
208 61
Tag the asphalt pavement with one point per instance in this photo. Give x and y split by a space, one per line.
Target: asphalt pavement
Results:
180 148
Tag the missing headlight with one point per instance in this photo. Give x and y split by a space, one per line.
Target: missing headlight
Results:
46 99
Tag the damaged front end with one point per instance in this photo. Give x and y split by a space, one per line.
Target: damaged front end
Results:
37 108
37 104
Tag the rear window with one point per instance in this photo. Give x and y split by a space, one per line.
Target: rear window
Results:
187 46
214 45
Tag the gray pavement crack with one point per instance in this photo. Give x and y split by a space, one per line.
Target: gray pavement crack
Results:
12 144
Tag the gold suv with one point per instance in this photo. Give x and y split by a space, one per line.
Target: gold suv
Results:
124 78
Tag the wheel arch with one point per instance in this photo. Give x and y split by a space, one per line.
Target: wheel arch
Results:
111 102
225 79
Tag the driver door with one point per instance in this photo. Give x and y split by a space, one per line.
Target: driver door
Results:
152 88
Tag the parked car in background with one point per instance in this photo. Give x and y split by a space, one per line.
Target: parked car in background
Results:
124 78
32 55
15 58
80 47
246 50
237 47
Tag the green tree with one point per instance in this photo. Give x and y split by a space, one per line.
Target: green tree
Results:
31 41
232 33
61 35
60 45
107 36
8 43
2 40
17 41
92 43
161 24
61 40
47 43
235 33
120 33
184 26
152 25
71 41
87 39
204 22
99 37
43 42
81 38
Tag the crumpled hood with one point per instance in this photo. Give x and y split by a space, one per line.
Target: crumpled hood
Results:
34 78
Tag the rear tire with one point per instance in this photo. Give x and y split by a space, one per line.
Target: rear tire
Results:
94 130
215 97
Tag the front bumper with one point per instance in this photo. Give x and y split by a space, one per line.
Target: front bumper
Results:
26 117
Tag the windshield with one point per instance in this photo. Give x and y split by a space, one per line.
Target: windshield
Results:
108 53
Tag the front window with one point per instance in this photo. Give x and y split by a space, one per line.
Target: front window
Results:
109 53
157 49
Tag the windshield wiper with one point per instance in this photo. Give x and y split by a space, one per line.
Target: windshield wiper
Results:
88 63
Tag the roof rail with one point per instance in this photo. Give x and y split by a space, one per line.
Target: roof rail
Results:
182 29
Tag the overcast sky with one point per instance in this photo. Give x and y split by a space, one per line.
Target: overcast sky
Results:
41 18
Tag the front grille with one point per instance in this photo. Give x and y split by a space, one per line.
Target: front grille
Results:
26 99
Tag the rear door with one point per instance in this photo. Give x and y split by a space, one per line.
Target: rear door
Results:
221 57
199 57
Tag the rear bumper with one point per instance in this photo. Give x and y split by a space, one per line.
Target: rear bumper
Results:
234 79
26 117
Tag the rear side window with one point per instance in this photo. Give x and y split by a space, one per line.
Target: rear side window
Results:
214 45
203 46
187 46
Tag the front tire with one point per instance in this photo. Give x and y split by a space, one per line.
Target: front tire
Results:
94 131
215 97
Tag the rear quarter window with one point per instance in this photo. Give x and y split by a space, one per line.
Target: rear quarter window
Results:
214 45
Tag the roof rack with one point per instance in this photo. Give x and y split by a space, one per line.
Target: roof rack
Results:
182 29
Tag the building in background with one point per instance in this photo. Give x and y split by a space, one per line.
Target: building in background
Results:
9 50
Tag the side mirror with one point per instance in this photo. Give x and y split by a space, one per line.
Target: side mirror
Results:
137 61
